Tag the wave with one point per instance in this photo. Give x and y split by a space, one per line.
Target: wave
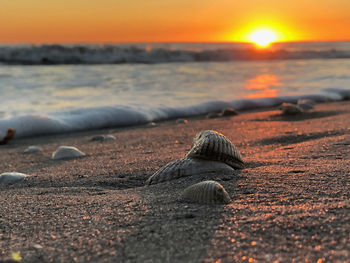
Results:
113 54
118 116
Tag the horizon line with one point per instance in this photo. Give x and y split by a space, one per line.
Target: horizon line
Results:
166 42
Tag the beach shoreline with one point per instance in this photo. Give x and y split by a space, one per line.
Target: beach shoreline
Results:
290 202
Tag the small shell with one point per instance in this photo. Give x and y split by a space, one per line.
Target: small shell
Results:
9 178
32 149
109 138
67 152
306 104
211 145
187 167
290 109
206 192
98 138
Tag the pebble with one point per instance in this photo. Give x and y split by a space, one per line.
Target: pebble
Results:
151 125
33 149
37 246
228 112
98 138
109 138
12 177
67 152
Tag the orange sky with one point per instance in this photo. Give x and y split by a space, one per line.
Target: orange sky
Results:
49 21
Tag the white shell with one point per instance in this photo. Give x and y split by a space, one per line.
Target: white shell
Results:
67 152
109 138
206 192
306 104
291 109
187 167
9 178
211 145
32 149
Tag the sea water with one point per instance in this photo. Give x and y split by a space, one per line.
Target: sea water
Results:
62 88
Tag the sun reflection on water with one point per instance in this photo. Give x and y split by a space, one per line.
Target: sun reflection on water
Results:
263 86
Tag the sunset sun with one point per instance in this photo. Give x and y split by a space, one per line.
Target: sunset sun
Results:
263 37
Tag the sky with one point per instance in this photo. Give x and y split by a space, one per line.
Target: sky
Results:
76 21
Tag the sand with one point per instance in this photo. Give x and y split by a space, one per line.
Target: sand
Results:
291 202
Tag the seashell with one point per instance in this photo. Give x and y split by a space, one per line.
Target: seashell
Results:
109 138
206 192
98 138
211 145
306 104
228 112
290 109
187 167
67 152
10 178
33 149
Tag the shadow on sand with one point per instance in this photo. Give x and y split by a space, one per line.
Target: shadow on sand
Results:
298 138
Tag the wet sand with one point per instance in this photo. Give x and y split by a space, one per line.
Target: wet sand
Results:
291 202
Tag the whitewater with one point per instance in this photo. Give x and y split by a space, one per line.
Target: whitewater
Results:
48 89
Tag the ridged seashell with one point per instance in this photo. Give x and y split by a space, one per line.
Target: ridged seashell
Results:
187 167
109 138
306 104
290 109
32 149
206 192
67 152
211 145
9 178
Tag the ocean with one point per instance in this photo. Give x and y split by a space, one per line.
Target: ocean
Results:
47 89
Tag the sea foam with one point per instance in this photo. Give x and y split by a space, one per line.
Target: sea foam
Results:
118 116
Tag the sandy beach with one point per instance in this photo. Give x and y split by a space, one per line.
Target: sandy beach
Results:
290 204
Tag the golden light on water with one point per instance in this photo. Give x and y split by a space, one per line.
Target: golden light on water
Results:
263 37
263 86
